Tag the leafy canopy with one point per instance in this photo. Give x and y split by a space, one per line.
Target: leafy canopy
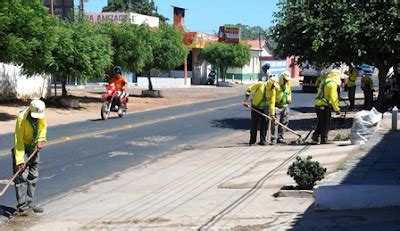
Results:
335 31
27 34
145 7
227 54
167 49
131 50
81 51
338 31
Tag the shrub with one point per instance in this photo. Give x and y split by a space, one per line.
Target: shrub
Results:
341 137
306 172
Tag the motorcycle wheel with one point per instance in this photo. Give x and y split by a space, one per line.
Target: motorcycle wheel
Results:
104 110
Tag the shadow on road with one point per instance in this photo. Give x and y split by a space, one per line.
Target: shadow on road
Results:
6 211
232 123
295 124
6 116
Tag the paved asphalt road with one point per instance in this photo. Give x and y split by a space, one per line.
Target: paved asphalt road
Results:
79 153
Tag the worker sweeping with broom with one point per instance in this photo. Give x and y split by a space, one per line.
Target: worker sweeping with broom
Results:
262 102
30 133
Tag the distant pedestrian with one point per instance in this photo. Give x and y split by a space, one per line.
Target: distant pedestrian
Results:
263 100
265 68
327 99
30 132
283 100
368 88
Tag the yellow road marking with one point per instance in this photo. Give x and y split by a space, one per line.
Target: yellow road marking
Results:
63 139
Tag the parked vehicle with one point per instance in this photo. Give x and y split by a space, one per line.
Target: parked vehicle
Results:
310 73
111 103
211 77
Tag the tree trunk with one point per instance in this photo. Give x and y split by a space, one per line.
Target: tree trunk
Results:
380 102
149 78
55 85
63 85
222 74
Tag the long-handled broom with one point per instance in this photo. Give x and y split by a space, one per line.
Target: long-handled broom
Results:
299 139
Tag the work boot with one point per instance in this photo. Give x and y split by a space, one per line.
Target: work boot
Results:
37 209
325 141
281 140
315 139
262 143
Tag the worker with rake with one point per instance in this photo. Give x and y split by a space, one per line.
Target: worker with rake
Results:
283 99
262 102
30 132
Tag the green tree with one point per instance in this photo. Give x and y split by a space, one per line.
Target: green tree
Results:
224 55
131 49
27 35
338 31
145 7
168 51
81 53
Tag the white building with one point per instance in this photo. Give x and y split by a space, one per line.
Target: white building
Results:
14 84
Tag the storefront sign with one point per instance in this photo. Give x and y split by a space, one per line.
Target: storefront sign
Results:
229 34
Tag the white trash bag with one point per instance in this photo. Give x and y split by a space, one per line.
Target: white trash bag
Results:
364 124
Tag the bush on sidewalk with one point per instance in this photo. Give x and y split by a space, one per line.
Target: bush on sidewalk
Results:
306 172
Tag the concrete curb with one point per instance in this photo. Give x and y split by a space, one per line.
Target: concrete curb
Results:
294 193
342 197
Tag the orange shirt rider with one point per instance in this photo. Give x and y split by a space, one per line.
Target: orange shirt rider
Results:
119 81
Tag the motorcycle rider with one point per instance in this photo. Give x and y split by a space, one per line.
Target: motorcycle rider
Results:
120 84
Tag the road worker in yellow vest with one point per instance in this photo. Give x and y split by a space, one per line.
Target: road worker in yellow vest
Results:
283 100
320 79
368 88
326 101
30 134
351 85
263 100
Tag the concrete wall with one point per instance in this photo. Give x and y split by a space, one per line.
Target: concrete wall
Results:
13 84
165 80
249 72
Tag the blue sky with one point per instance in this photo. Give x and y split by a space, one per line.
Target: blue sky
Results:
207 15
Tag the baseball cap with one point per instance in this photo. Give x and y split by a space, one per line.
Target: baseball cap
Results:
37 109
285 75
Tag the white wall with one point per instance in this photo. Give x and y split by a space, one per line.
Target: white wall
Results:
252 67
13 84
174 78
163 82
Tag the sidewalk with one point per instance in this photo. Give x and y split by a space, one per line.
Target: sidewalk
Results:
228 187
209 189
368 181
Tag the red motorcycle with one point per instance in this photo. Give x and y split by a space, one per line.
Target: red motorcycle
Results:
112 102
